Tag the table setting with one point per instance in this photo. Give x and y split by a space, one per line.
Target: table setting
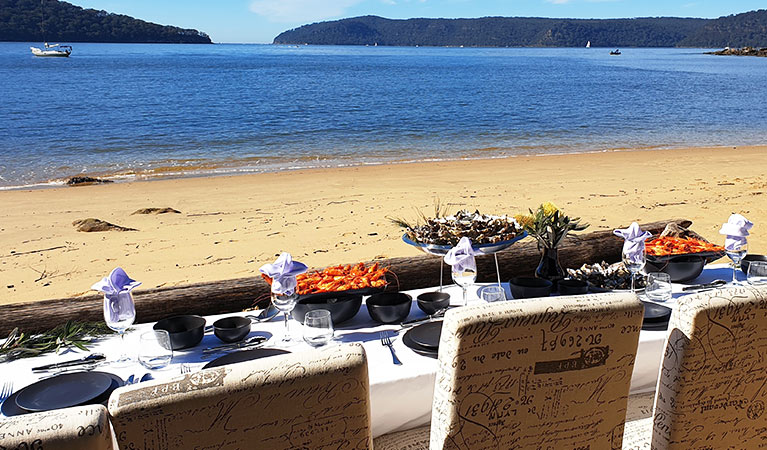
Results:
400 330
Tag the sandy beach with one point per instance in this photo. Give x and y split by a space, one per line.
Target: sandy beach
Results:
228 226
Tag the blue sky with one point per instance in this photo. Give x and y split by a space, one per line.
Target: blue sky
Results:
259 21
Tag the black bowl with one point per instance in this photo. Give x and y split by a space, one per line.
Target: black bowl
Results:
389 307
679 268
573 287
184 331
342 307
523 287
746 261
432 302
231 329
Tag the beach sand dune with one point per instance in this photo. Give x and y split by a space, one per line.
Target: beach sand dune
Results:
229 226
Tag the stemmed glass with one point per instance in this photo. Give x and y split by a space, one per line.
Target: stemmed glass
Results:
464 278
119 315
736 254
285 303
634 262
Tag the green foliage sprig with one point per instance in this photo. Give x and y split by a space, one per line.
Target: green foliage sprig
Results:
71 334
549 225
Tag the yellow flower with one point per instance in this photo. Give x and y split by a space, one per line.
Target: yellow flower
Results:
524 220
549 208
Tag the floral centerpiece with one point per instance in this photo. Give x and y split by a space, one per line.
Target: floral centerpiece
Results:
549 226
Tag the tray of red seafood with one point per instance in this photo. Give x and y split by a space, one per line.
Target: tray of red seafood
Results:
352 279
683 258
667 247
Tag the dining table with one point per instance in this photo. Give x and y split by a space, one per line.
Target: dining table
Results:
400 394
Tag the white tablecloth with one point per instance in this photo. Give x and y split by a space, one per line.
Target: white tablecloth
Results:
401 396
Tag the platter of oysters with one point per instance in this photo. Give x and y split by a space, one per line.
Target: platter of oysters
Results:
488 233
603 276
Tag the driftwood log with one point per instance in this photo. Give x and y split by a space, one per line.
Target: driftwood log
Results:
417 271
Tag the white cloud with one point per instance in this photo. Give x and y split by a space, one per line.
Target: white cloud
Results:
288 11
558 2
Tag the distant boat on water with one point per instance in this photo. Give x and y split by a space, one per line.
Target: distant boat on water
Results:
615 52
51 50
588 44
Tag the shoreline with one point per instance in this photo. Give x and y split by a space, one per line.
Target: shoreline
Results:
230 225
216 171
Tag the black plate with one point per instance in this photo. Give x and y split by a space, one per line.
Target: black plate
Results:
427 335
63 391
245 355
654 313
10 408
423 351
655 326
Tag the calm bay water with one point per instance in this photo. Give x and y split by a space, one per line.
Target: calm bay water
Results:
136 111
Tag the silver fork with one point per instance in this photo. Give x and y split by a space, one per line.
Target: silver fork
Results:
186 368
386 341
6 391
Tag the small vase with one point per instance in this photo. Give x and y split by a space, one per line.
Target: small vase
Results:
549 268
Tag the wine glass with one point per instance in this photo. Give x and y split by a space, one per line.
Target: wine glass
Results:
736 254
464 278
285 303
119 314
634 262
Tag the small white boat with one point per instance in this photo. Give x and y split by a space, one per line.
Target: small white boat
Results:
588 44
52 50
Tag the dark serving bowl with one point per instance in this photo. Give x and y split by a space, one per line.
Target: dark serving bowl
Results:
431 302
231 329
679 268
341 307
184 331
746 261
524 287
389 307
573 287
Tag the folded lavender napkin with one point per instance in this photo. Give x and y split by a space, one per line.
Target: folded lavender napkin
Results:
117 281
461 257
634 241
283 274
736 230
116 288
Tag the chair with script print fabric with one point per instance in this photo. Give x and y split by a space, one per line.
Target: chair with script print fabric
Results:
77 428
532 374
306 400
712 386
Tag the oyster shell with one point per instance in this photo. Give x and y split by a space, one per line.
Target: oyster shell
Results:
480 228
607 276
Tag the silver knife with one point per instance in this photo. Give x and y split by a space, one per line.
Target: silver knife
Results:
255 340
713 284
92 359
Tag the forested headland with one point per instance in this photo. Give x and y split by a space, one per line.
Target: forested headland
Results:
20 20
747 29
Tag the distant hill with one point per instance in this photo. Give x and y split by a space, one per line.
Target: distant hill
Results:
740 30
64 22
534 32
